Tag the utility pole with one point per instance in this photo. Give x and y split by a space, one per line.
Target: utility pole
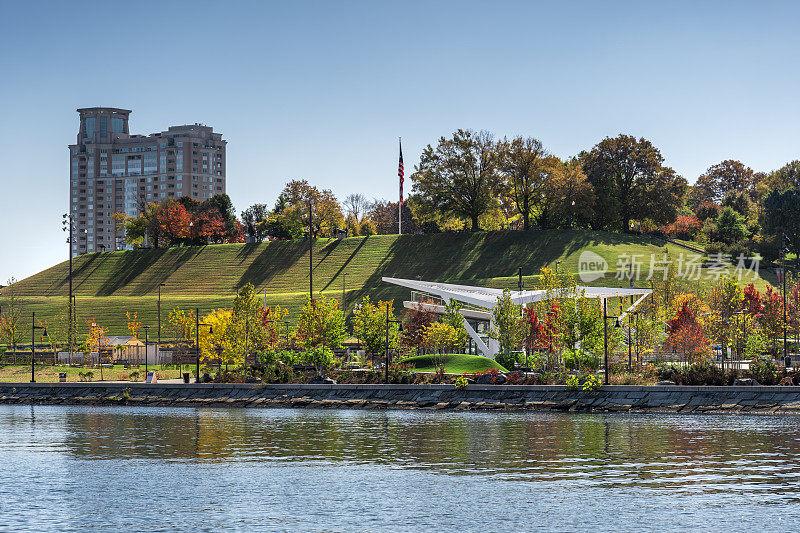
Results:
310 252
68 225
158 345
783 275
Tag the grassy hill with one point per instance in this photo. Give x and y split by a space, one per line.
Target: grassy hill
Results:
108 284
453 363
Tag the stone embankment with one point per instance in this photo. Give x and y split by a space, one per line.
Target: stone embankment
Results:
670 398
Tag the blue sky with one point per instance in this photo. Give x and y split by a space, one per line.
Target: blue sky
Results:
322 90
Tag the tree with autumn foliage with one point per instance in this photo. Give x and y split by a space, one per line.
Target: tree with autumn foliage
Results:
173 222
96 339
415 320
751 300
290 218
273 322
321 324
771 318
133 323
369 324
686 334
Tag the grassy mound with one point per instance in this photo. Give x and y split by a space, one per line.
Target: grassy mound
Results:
108 284
454 363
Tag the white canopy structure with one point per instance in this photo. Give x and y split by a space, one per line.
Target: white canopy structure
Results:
482 300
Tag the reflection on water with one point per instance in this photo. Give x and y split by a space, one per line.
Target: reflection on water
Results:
130 469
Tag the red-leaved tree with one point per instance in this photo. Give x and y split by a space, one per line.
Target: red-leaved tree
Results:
686 334
174 222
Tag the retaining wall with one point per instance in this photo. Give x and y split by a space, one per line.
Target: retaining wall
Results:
476 397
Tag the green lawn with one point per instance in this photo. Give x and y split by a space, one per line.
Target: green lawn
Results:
49 373
453 363
108 284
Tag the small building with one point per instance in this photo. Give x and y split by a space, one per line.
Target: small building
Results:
122 340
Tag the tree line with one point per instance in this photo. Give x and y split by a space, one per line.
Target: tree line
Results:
472 181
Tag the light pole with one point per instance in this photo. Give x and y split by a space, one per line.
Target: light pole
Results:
145 349
519 280
197 339
572 215
400 328
310 252
158 345
68 224
783 275
99 359
605 338
34 327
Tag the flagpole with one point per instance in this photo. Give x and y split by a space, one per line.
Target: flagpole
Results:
400 203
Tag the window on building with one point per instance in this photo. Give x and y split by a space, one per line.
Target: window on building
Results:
88 127
117 125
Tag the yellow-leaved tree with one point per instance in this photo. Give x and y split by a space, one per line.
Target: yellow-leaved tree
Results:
215 340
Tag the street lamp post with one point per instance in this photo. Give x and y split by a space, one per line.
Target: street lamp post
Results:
197 339
310 252
145 349
783 275
572 215
605 338
68 224
158 342
34 327
400 328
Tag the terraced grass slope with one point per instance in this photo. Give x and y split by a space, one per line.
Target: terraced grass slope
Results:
108 284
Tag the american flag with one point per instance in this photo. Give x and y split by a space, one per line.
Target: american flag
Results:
401 172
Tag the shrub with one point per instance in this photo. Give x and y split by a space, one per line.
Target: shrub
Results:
461 383
319 357
587 382
764 371
702 373
579 359
683 228
508 359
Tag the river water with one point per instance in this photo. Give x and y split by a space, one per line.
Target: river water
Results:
151 469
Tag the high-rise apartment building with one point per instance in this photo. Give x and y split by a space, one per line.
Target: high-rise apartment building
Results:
112 171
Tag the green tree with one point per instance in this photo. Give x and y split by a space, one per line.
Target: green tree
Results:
788 176
369 324
782 215
629 176
321 323
459 176
730 227
246 330
253 219
508 328
523 164
326 213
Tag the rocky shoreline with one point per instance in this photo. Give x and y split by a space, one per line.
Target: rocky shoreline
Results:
672 399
